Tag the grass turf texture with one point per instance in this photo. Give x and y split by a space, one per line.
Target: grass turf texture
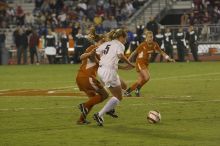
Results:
186 94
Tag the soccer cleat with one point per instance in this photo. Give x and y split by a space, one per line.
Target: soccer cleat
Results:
83 122
137 93
83 110
98 119
127 94
112 113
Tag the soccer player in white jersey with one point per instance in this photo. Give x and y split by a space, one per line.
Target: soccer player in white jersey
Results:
110 54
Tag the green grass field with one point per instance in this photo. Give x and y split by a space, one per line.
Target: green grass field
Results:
186 94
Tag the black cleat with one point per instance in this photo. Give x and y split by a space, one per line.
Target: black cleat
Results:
98 119
83 110
127 94
84 122
137 93
112 113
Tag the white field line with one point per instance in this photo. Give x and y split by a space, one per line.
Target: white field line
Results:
59 88
186 76
141 104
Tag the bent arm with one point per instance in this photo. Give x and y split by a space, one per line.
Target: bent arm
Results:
134 53
123 58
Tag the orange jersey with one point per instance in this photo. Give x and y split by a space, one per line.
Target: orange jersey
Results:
88 66
144 50
143 54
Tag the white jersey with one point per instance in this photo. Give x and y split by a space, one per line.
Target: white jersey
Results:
108 64
109 52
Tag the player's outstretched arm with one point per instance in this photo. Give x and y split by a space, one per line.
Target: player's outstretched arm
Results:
88 54
129 64
166 56
133 54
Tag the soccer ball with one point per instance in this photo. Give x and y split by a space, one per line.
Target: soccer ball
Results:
154 117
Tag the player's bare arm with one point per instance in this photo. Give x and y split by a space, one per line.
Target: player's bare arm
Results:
167 57
123 58
88 54
133 54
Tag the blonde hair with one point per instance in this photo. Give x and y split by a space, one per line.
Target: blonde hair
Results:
119 32
148 32
110 34
115 34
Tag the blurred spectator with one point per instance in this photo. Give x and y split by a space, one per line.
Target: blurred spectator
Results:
100 29
84 24
137 38
106 24
62 18
91 13
206 18
38 4
50 49
205 32
168 42
184 20
192 19
21 41
181 45
97 19
79 43
130 38
113 22
64 45
192 39
152 25
29 19
2 45
159 38
75 29
33 44
20 15
11 14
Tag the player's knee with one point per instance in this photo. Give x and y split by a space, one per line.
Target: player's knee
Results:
104 94
124 86
146 78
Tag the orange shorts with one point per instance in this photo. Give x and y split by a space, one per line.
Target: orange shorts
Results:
89 85
141 66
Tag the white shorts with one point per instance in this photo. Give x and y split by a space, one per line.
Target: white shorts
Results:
109 77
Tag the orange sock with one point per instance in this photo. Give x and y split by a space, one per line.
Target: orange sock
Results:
81 118
93 101
142 83
90 103
133 87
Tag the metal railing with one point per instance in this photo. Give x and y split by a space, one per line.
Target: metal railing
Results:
212 35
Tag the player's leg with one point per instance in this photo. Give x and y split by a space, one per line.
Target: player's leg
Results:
123 84
145 77
96 93
110 105
133 86
114 85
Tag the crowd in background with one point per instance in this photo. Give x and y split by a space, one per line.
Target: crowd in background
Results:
104 15
203 11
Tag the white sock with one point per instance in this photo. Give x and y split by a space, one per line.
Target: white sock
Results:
109 105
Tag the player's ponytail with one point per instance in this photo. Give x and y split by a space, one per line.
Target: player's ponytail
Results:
110 35
119 33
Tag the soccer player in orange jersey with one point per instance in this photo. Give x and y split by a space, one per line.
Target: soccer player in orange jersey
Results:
87 82
142 53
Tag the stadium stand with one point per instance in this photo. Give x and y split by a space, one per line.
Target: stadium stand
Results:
105 15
